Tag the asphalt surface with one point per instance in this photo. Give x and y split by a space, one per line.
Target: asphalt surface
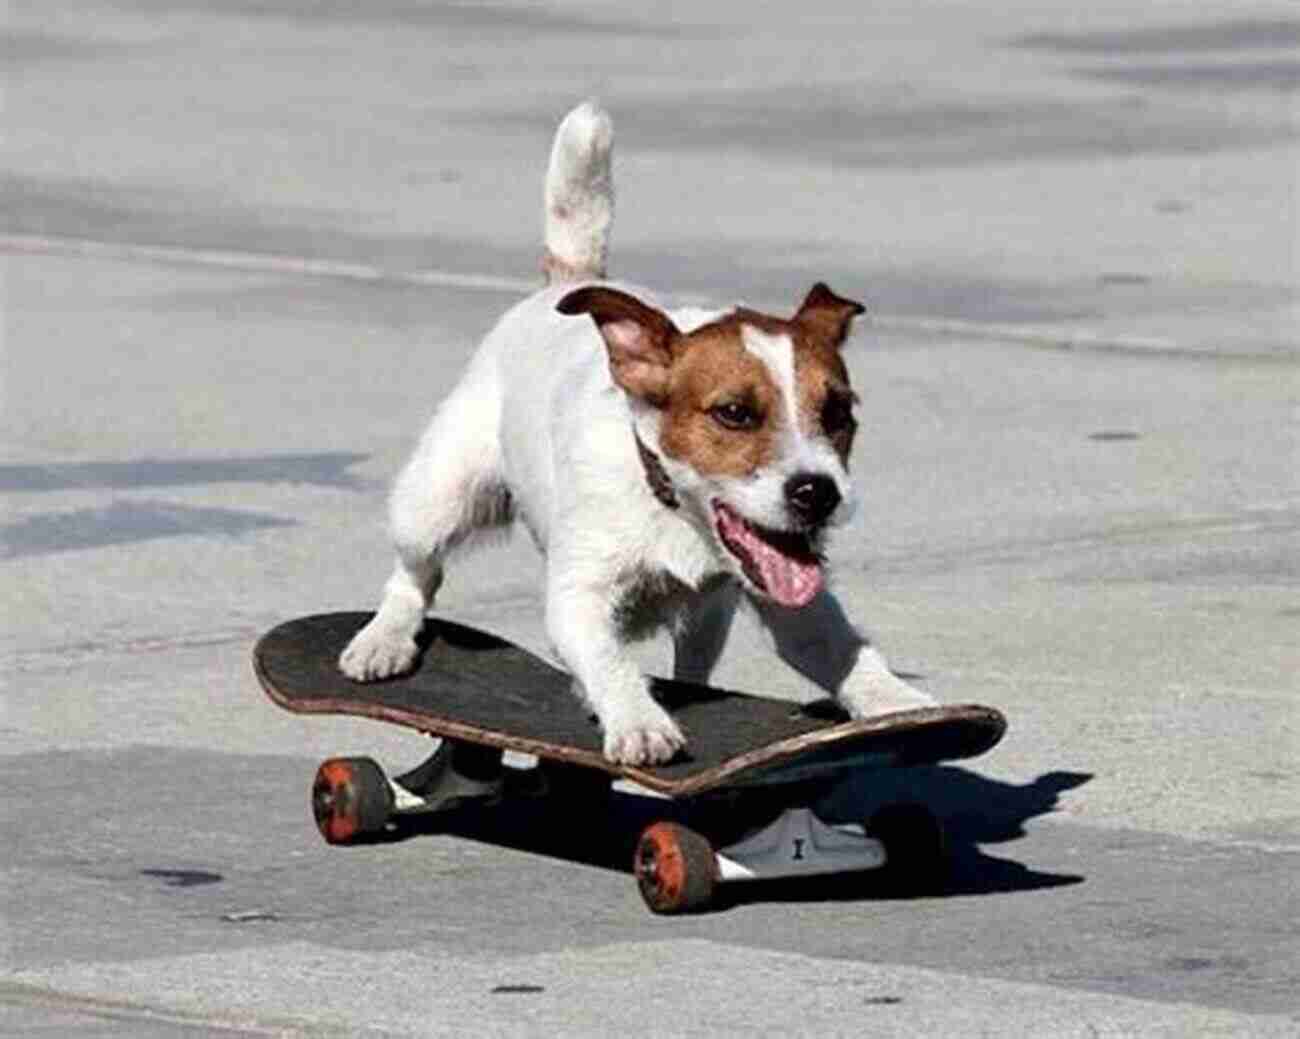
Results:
247 246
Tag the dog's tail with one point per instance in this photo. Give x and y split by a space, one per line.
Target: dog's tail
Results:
579 196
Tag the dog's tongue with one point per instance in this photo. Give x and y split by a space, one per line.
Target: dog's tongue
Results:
789 581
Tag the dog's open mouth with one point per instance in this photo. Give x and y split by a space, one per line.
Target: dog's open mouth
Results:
781 564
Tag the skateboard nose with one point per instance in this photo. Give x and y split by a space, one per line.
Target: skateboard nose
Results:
812 497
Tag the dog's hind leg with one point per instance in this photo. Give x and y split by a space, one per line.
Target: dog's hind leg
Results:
450 491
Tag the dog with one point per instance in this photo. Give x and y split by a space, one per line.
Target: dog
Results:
669 466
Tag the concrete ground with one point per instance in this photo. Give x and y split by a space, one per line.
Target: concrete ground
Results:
248 244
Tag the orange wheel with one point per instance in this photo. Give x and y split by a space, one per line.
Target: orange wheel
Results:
675 868
351 799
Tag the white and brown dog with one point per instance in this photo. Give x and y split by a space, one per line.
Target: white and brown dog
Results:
665 464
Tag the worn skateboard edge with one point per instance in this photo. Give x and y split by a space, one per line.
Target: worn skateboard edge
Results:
843 734
768 756
430 725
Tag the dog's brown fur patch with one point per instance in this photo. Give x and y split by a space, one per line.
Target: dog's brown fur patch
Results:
714 366
825 395
822 389
712 369
688 376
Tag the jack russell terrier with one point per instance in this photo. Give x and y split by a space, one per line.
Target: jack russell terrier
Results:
667 465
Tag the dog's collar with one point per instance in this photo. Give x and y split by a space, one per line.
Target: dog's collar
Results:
661 486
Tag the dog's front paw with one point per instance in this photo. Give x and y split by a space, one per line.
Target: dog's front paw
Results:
648 736
376 652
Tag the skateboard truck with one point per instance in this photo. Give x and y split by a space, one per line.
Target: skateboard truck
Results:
454 775
798 844
678 869
353 799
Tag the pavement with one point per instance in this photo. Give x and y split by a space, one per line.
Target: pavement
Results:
247 245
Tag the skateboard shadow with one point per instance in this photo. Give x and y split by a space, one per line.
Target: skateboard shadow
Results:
976 811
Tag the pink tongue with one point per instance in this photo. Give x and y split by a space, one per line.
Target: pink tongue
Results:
791 582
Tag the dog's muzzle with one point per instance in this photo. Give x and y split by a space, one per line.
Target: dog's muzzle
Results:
811 498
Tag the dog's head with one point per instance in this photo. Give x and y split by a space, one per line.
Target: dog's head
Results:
750 417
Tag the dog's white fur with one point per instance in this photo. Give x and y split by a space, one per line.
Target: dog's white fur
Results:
537 431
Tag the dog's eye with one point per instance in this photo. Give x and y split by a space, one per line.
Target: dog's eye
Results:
735 414
837 413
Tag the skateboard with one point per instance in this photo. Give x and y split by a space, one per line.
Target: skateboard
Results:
750 776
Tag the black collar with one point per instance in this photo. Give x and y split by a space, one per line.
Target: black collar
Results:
655 474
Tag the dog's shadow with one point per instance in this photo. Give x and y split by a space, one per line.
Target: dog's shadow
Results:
603 832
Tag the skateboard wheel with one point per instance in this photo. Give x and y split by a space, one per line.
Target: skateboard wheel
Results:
351 799
675 869
916 851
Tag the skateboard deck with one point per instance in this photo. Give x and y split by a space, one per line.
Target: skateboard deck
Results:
477 688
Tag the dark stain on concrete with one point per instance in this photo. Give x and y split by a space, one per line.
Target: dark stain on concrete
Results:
847 125
124 523
1226 35
1282 76
470 19
319 470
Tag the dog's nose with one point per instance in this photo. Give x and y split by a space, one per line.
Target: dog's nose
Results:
811 497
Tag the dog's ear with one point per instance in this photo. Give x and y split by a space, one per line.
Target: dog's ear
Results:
638 338
826 314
